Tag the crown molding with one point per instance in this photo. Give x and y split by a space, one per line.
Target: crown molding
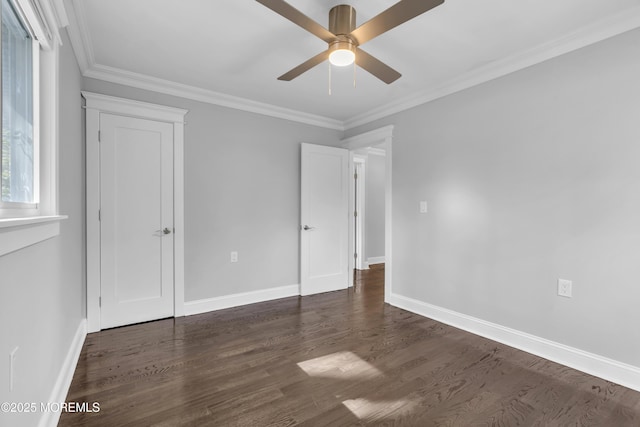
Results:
55 17
583 37
79 35
61 13
142 81
82 46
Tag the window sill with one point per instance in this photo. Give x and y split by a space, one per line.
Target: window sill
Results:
18 233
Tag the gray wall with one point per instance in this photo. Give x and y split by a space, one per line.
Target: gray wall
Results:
374 209
529 178
242 193
42 292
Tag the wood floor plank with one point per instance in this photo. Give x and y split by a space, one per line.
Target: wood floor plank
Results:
336 359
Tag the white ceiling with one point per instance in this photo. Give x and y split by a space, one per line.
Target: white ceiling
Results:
231 52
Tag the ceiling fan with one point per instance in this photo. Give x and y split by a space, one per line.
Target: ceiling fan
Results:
344 38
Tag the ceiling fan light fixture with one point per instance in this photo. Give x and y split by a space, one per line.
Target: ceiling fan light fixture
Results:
344 38
343 53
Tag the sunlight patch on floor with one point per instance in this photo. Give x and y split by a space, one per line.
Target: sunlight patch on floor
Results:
370 410
340 365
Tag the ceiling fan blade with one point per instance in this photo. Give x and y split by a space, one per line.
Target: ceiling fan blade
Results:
376 67
294 15
305 66
397 14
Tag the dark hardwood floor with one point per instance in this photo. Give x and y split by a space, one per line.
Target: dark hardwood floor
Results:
337 359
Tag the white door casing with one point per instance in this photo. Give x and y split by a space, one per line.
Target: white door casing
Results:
136 226
382 137
96 106
324 239
358 205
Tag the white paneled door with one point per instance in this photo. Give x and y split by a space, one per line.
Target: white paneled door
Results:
136 220
324 219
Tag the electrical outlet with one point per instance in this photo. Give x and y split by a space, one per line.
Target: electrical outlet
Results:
12 363
565 288
234 256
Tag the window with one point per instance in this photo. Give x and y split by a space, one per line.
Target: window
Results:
19 161
29 43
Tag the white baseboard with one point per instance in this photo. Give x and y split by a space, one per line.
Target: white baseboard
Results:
599 366
63 382
235 300
375 260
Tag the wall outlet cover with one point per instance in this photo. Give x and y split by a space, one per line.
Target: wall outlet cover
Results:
565 288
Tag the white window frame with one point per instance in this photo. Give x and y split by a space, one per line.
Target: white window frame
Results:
25 225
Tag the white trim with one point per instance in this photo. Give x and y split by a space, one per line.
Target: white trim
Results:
603 367
376 151
79 37
65 376
591 34
78 26
55 17
24 227
83 48
359 204
596 32
62 19
95 105
178 218
132 108
373 137
236 300
49 126
92 178
141 81
38 22
382 137
388 218
19 233
19 222
375 260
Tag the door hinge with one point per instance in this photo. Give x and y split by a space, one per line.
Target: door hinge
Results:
99 214
355 256
99 301
355 175
355 213
99 136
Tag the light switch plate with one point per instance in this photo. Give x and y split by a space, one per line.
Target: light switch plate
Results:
423 207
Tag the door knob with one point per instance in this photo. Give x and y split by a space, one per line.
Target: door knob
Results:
166 230
307 228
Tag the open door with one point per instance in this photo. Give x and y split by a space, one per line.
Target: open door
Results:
324 225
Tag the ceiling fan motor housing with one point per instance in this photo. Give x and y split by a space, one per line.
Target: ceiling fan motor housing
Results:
342 20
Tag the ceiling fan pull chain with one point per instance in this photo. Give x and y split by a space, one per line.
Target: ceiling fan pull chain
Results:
354 74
